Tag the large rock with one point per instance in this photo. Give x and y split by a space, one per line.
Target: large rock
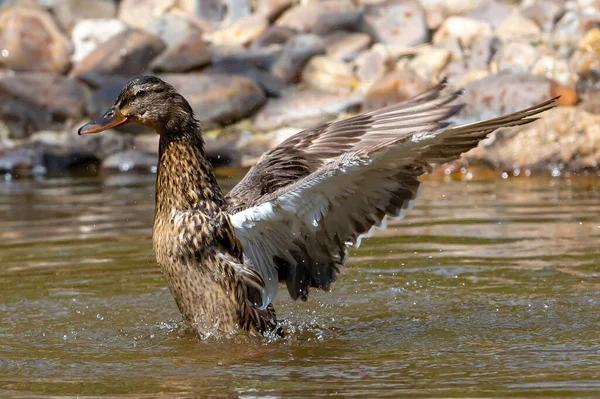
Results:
138 13
399 22
466 30
396 86
32 102
128 54
31 41
429 62
272 9
87 34
69 12
218 99
545 13
439 10
322 17
330 75
518 27
186 49
565 137
345 46
515 56
372 64
303 109
296 52
243 31
493 12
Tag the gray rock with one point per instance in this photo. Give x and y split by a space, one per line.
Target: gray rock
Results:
399 22
372 64
240 57
296 53
515 56
274 35
493 12
396 86
322 17
439 10
218 99
138 13
518 27
303 109
31 102
89 33
545 13
217 10
128 53
19 160
130 161
186 49
272 9
31 41
272 85
69 12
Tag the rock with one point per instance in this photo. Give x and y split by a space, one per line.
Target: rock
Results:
210 10
128 54
490 11
31 102
20 160
274 35
218 99
399 22
130 161
322 17
31 41
237 57
430 62
396 86
515 56
555 68
345 46
107 89
504 93
270 84
329 75
146 143
186 49
223 151
544 13
69 12
371 65
481 52
99 146
439 10
585 59
518 27
466 30
243 31
296 53
566 137
303 109
87 34
272 9
138 13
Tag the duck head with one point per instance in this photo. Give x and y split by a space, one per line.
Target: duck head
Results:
148 101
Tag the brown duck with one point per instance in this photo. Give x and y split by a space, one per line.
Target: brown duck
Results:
296 212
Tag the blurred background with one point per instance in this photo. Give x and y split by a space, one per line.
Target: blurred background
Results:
256 71
488 288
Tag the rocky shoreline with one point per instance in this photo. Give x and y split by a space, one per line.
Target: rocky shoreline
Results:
257 71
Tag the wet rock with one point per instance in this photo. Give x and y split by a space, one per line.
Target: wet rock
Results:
466 30
130 161
218 99
87 34
223 150
296 53
329 75
518 27
185 50
138 13
69 12
429 62
545 13
31 41
303 109
128 53
19 160
98 146
274 35
272 9
346 46
371 65
493 12
396 86
564 138
400 23
516 56
243 31
322 17
31 102
504 93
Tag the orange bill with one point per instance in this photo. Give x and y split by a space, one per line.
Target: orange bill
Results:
112 118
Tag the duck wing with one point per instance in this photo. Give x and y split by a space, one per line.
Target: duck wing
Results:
307 151
299 233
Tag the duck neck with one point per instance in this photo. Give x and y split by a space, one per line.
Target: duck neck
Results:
185 179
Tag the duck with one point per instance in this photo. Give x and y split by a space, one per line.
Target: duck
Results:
294 216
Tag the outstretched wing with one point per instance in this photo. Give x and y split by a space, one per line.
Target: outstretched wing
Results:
307 151
300 232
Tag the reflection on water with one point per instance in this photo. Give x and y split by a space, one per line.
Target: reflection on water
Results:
486 289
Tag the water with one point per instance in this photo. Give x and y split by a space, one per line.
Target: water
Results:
487 289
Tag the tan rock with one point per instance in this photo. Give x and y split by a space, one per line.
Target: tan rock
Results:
138 13
429 62
400 23
69 12
88 34
372 64
322 17
31 41
516 56
330 75
346 46
466 30
243 31
518 27
439 10
396 86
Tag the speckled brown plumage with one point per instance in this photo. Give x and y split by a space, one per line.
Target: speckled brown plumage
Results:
297 210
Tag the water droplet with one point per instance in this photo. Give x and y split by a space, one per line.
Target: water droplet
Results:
5 53
504 175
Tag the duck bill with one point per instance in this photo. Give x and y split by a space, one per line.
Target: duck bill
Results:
112 118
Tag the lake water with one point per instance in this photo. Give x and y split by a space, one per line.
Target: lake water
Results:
486 289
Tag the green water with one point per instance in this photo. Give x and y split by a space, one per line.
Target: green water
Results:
487 289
